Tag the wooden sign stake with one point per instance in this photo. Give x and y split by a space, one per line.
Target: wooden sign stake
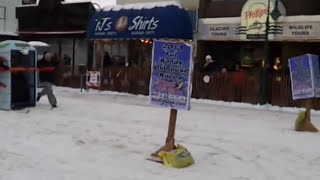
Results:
170 141
308 126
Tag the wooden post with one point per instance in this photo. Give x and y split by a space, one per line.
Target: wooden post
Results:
73 54
81 82
171 132
172 125
308 126
101 65
308 109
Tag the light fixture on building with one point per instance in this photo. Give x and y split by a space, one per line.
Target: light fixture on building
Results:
277 64
275 14
263 63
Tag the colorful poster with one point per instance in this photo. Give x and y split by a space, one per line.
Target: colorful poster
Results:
170 83
301 77
315 73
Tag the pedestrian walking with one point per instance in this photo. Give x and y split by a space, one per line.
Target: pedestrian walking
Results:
47 78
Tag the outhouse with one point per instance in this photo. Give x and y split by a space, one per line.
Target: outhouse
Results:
17 83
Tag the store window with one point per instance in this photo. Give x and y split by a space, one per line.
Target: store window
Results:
132 53
251 55
140 53
224 54
115 53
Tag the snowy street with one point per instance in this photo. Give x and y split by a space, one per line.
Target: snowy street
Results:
107 136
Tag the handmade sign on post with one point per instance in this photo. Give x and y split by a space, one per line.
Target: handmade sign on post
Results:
170 83
93 79
305 84
305 76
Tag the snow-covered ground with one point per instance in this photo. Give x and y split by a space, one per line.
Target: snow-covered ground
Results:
107 136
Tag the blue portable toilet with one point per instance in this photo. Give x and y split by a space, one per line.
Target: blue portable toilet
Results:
18 89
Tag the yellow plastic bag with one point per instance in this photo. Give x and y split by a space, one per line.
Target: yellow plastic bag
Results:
300 121
177 158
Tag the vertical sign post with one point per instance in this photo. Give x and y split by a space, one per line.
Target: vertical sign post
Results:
171 82
305 83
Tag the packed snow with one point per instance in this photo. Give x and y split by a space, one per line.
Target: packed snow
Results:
140 6
101 3
38 44
8 33
104 135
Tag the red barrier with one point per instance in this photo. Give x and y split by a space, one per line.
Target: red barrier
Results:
3 85
23 69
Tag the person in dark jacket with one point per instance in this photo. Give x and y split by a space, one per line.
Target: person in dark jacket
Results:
209 65
47 78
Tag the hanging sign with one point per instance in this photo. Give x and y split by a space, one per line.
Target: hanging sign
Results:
254 16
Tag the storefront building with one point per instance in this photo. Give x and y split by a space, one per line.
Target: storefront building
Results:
61 25
8 21
123 35
236 36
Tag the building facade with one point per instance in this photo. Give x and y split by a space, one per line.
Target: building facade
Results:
61 25
125 60
187 4
224 33
8 21
236 37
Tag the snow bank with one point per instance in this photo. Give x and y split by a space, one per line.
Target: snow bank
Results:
266 107
141 5
108 135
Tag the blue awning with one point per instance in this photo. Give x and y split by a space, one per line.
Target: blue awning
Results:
169 22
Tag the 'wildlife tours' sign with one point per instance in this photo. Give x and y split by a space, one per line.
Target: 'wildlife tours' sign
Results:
254 16
302 31
170 84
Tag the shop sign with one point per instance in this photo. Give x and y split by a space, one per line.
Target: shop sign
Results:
301 31
138 25
146 23
254 16
218 32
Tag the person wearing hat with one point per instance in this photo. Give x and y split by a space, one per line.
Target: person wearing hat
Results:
47 78
208 66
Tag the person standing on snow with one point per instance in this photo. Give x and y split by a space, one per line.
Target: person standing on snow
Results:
47 78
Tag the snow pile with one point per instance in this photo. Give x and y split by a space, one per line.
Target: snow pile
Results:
108 136
99 2
8 34
75 1
139 6
38 44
